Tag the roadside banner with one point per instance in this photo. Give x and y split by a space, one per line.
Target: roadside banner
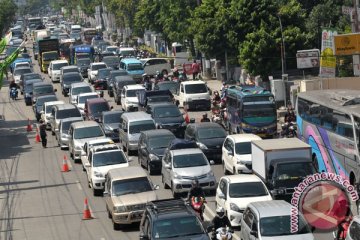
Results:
327 57
307 58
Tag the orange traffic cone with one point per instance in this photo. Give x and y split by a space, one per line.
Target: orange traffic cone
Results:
37 137
87 213
187 118
65 166
29 127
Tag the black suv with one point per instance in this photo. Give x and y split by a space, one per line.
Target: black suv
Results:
170 218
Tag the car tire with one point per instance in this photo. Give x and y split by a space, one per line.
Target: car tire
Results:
163 181
111 94
96 192
116 226
109 213
128 152
175 194
151 172
234 171
71 155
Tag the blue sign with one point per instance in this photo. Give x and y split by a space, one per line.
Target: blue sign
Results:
82 49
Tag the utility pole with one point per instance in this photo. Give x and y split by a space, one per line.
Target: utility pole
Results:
356 20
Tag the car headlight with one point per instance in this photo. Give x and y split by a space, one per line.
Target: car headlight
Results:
210 174
153 157
98 174
201 145
119 209
78 148
234 207
177 176
239 161
64 135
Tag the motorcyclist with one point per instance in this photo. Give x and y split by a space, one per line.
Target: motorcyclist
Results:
205 118
196 190
217 97
159 76
146 80
220 220
176 73
290 116
12 85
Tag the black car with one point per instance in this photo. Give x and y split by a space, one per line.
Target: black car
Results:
28 76
110 123
102 78
28 90
152 145
209 137
112 61
171 219
167 85
154 97
83 65
41 89
120 82
40 102
111 81
67 80
168 116
106 54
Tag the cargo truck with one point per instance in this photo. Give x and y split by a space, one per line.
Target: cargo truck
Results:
282 164
48 51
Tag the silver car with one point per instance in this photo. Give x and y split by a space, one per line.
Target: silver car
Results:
180 167
62 135
59 112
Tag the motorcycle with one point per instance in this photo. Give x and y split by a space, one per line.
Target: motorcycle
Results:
288 130
224 233
198 204
13 93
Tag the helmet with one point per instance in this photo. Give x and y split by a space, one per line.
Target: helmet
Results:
157 72
220 212
205 115
195 182
145 75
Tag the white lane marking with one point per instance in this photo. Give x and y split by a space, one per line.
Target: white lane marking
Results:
102 238
78 184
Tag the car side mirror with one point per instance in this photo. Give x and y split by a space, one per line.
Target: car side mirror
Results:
254 233
211 162
111 106
230 153
106 194
42 112
87 165
156 187
167 166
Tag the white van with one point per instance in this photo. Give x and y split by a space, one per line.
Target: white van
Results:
54 69
193 95
75 28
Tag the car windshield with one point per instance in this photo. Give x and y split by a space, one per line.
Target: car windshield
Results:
99 107
107 158
111 49
207 133
259 110
43 89
127 53
195 88
142 125
247 189
104 73
243 148
133 93
79 90
166 112
98 66
83 99
75 35
21 71
65 126
293 171
59 65
76 70
83 62
32 76
158 99
88 132
72 79
172 86
189 160
29 85
131 186
50 56
111 60
41 101
135 67
118 73
281 226
179 227
160 141
66 113
112 118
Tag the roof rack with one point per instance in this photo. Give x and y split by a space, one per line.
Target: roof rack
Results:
105 147
346 100
167 205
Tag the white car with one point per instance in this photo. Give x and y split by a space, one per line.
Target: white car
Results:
46 111
193 95
54 69
78 88
93 70
235 192
129 97
152 65
22 64
92 143
82 98
236 153
101 160
18 72
112 49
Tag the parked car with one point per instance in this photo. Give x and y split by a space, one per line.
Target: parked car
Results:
38 106
68 79
78 88
80 133
59 112
62 136
152 65
46 112
81 100
129 97
168 116
209 137
93 70
110 123
119 84
272 219
236 153
28 90
234 193
54 69
181 166
83 64
100 160
151 148
127 190
94 107
171 219
111 81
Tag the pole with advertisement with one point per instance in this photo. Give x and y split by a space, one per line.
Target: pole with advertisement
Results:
327 56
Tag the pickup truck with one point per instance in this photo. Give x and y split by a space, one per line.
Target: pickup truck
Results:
193 95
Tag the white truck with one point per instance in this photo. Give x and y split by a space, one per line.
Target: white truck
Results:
282 164
42 33
193 95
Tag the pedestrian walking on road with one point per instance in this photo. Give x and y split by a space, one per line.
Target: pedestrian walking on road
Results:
43 135
195 67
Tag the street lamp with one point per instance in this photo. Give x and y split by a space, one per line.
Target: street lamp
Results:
283 60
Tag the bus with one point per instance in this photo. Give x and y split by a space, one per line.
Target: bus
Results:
251 109
81 51
88 34
65 48
329 121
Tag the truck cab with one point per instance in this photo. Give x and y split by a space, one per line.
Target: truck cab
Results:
193 95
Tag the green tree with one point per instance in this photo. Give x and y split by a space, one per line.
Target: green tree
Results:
7 14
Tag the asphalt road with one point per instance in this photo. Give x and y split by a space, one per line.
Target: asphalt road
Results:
37 200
